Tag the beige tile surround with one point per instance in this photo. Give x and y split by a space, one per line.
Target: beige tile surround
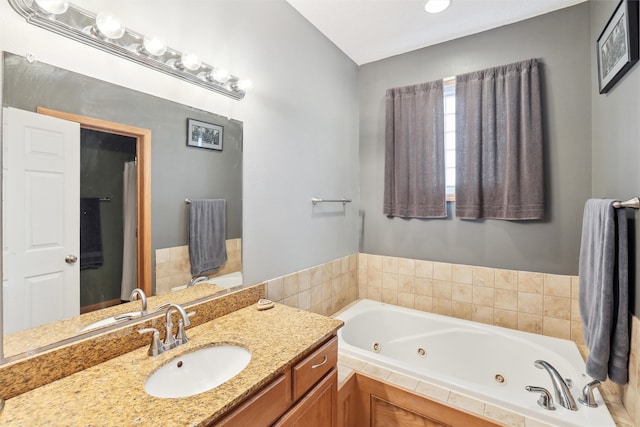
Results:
323 289
527 301
630 392
174 269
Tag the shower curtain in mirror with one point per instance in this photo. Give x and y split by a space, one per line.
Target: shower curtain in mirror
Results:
130 247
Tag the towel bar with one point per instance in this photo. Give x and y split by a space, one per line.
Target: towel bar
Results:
631 203
187 201
316 200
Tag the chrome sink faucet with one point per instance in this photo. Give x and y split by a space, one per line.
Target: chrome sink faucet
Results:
170 341
561 391
137 292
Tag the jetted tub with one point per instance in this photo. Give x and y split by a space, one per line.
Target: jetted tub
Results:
489 363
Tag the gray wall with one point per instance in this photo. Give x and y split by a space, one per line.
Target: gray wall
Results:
561 41
615 129
302 142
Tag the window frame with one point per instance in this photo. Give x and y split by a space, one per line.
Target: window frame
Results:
449 91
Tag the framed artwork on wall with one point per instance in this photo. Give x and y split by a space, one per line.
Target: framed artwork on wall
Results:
617 46
204 135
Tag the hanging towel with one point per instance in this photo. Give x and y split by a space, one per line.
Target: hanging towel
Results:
604 290
90 233
207 231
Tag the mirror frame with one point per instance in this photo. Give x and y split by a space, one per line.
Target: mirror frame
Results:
143 153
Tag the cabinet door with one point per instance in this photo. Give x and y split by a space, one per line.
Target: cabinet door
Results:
379 404
385 413
318 408
263 408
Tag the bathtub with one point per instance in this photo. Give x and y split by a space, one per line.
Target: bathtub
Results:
231 281
489 363
228 281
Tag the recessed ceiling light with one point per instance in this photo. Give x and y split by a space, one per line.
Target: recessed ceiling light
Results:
436 6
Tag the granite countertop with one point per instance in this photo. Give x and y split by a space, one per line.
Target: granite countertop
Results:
112 393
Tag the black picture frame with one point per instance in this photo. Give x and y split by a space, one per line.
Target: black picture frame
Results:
617 46
204 135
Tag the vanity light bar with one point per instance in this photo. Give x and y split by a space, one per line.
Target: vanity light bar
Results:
79 24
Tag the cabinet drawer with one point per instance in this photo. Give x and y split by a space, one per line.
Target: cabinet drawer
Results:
315 366
263 408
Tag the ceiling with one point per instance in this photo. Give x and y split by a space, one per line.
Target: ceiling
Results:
370 30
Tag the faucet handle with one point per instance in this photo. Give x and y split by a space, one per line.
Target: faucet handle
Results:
156 346
163 306
587 397
181 335
545 399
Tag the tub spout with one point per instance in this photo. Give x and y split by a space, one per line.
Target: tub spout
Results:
560 388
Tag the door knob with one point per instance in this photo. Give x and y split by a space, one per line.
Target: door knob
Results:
71 259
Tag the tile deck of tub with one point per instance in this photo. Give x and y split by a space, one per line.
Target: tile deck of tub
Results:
348 365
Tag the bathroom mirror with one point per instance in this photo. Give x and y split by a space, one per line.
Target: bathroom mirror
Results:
178 171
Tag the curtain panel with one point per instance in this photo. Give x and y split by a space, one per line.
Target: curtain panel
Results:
414 152
499 155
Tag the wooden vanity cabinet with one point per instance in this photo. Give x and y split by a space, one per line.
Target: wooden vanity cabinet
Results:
304 395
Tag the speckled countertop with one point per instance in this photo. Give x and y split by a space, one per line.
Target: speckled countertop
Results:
112 393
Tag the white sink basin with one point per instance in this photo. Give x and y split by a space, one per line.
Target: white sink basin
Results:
198 371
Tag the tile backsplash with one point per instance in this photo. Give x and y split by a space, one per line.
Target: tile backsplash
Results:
540 303
323 289
533 302
174 269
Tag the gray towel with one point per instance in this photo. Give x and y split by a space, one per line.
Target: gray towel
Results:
604 290
91 255
207 231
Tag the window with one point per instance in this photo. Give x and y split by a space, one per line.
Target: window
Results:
450 137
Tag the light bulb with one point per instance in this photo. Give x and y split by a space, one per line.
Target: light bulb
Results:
190 61
436 6
243 85
220 75
154 45
54 7
109 26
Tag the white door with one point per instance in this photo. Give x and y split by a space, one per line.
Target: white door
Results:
41 219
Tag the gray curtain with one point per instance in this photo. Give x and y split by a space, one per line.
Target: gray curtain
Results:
499 157
414 152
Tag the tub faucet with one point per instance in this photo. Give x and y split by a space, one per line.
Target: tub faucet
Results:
142 297
560 388
196 280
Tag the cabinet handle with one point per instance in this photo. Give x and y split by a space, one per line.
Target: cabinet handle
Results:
324 360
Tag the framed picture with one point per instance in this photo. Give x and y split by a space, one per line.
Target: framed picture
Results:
618 45
204 135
